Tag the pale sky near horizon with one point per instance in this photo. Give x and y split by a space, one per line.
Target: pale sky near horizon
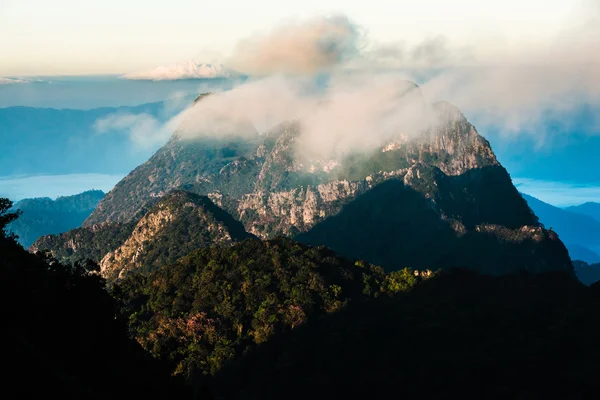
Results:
78 37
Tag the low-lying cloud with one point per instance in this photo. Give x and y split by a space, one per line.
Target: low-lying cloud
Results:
144 130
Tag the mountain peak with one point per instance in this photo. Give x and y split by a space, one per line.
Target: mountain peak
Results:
177 224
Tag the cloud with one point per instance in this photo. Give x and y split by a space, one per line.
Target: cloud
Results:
363 100
186 70
356 112
144 130
300 47
522 91
10 81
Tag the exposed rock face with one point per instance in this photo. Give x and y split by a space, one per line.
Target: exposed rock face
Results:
262 182
180 223
180 164
271 192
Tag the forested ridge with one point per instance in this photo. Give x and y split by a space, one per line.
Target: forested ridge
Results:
279 319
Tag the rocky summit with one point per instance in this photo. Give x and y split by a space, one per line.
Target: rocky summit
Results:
436 199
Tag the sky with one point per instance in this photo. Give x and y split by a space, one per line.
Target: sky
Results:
23 187
525 72
79 37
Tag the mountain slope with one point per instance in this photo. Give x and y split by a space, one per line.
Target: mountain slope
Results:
44 216
575 230
442 221
178 224
86 243
178 164
219 302
274 189
457 336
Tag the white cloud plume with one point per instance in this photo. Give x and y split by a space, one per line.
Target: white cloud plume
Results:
300 47
353 113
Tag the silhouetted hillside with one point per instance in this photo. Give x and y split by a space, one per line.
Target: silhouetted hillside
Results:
457 336
44 216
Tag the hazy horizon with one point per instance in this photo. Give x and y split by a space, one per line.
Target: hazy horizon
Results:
67 37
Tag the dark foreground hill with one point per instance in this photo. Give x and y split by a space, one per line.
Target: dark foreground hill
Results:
61 338
456 336
282 320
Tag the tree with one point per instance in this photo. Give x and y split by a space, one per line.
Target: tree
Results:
6 217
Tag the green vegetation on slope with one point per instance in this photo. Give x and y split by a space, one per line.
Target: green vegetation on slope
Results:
81 244
178 224
460 335
214 304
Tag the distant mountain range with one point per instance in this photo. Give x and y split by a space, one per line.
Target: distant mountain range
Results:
579 231
44 216
591 209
